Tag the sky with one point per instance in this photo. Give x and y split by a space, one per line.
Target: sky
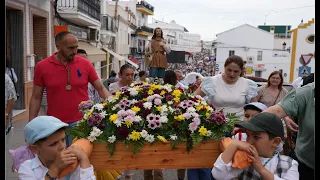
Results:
210 17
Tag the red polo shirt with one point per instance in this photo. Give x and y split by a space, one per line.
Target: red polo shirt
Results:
63 104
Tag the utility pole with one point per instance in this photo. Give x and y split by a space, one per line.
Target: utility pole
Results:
116 10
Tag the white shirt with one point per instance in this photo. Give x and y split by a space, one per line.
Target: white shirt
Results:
33 169
224 171
114 87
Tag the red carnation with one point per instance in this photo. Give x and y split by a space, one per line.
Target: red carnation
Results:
123 132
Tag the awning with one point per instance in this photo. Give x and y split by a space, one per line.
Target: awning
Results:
117 56
132 63
94 54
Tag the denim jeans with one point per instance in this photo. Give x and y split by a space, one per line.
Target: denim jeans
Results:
68 137
199 174
156 72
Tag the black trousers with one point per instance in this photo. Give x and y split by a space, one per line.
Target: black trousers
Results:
305 172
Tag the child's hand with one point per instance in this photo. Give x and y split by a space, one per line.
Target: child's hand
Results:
241 145
254 156
64 158
78 152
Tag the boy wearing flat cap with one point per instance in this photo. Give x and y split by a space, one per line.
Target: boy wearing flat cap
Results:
46 138
264 133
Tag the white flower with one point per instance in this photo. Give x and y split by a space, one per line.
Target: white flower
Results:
112 139
147 105
114 108
149 138
199 97
92 138
132 84
117 123
171 109
170 102
191 110
111 99
137 118
103 114
98 107
167 87
164 109
209 133
163 119
133 91
204 103
133 101
96 132
173 137
144 133
210 109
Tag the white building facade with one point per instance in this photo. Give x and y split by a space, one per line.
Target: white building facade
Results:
177 37
255 46
303 47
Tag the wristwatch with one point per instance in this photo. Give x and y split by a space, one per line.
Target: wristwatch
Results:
50 178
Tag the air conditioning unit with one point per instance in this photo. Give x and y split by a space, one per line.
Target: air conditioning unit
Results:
250 59
94 35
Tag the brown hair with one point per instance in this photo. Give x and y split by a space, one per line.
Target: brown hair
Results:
281 77
234 59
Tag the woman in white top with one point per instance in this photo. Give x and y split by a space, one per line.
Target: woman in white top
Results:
228 90
126 75
10 71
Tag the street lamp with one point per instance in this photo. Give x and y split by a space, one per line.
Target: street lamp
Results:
284 46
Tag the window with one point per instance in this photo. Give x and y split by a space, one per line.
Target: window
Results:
257 73
231 52
259 57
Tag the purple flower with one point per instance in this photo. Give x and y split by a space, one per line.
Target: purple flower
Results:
177 111
85 105
95 120
152 125
196 120
217 118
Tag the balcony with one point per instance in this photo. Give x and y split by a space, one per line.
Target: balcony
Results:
81 12
108 23
144 31
282 35
145 8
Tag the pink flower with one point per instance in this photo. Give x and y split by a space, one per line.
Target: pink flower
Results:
130 113
157 102
121 114
193 126
196 120
187 115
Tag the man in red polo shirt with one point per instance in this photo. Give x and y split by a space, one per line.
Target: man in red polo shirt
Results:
65 76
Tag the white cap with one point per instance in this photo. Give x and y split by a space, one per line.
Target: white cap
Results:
258 105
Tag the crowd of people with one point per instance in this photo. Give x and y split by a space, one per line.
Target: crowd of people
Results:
269 114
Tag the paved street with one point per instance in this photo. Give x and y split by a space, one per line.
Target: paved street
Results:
15 139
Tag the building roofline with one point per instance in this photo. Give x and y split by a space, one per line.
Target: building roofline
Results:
244 25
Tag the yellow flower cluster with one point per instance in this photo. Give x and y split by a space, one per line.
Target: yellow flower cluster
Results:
135 136
113 117
179 117
162 139
203 131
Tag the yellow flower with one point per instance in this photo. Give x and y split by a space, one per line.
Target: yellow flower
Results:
135 109
176 93
104 104
162 139
135 135
179 117
207 115
150 92
176 99
87 115
118 93
163 93
207 107
128 123
199 107
159 108
144 99
203 131
113 117
154 87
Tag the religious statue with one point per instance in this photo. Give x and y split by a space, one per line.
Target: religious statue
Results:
156 51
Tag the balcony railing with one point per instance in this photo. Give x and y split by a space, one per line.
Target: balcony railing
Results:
145 29
144 4
88 7
282 35
108 23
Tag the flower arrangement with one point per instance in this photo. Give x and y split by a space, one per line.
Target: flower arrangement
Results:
149 113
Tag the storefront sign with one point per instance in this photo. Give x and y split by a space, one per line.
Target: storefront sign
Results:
259 67
80 33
